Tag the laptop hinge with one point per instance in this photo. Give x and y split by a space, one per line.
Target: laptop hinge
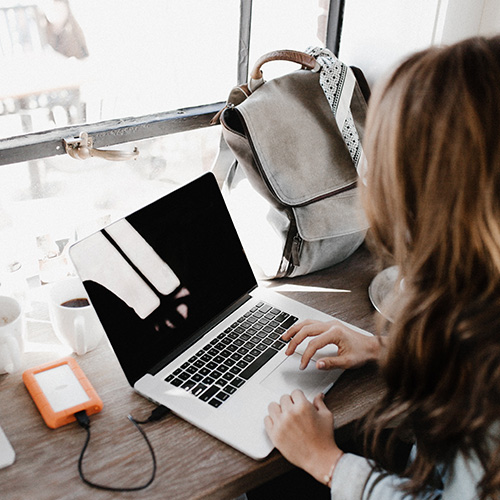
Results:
197 336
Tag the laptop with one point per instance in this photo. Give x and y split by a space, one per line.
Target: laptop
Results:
184 314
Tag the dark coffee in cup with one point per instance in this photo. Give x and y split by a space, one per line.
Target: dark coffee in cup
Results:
76 303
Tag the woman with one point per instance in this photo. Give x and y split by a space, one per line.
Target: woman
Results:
432 196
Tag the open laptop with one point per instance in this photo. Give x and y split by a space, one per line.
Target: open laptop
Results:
190 327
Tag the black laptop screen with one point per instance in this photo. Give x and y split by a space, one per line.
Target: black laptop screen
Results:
206 271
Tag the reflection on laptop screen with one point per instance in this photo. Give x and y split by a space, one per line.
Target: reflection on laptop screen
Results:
159 275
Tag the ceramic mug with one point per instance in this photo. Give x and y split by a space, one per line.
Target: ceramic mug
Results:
11 334
74 319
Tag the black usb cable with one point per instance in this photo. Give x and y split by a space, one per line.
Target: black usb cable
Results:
84 421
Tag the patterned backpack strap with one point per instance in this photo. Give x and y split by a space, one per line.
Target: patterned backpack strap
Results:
338 81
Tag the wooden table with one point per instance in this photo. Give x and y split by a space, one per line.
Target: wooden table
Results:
191 464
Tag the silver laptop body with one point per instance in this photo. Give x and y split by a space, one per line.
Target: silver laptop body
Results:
190 326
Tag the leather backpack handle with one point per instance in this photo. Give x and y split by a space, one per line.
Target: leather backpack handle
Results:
240 93
305 60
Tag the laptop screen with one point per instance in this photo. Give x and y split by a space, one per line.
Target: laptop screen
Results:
158 276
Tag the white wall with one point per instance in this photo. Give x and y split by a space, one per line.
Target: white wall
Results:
378 34
458 19
490 21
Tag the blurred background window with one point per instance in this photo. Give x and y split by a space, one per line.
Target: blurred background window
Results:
132 74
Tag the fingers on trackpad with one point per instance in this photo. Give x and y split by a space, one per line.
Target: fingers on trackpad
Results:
287 376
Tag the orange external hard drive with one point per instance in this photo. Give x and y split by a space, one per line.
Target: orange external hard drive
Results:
60 389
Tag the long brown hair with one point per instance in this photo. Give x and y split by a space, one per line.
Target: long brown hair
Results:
432 196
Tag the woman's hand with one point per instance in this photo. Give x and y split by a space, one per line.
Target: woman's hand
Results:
303 433
354 348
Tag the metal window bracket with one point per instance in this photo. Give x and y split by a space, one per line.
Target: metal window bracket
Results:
82 148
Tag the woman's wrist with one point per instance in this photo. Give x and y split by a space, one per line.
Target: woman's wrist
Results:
324 466
327 478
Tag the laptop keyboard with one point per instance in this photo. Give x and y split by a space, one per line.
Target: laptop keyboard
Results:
220 368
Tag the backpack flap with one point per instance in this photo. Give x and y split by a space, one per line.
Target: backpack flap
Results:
299 154
295 139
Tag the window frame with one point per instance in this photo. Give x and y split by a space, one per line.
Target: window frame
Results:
39 145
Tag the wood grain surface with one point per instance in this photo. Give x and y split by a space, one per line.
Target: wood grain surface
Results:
191 464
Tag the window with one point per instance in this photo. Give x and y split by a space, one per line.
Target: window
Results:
131 74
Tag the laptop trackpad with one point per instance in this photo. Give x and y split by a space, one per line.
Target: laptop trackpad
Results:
286 377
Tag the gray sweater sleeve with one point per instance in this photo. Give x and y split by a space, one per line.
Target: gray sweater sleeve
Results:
355 479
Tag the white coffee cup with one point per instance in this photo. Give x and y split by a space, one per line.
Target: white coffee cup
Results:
74 319
11 334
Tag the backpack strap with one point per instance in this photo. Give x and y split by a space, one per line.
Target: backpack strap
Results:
338 82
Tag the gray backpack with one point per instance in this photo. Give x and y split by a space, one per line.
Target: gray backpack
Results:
292 190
